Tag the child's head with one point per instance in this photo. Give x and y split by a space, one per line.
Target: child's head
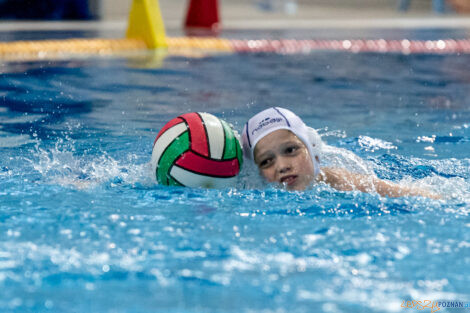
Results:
285 150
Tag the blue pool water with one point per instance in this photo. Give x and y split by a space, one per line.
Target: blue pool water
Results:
84 227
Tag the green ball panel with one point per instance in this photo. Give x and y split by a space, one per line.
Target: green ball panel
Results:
239 153
173 151
232 145
230 149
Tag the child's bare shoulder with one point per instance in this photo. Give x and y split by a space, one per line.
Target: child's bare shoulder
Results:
339 178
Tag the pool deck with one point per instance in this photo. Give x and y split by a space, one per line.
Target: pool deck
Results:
244 14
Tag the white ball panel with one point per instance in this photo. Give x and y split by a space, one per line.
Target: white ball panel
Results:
194 180
215 133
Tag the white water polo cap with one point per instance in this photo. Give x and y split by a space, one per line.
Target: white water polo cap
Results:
273 119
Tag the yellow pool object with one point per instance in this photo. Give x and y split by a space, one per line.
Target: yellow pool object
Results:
146 23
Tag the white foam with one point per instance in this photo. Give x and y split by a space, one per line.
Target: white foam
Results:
339 157
374 144
62 165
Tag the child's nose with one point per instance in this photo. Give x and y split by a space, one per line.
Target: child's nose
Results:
283 165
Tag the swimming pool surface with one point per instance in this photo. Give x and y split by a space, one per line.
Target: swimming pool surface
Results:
84 227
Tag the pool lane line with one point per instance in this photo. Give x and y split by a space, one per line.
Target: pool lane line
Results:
36 50
405 46
47 49
58 49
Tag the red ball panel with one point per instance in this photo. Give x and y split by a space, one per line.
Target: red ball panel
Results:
198 134
209 167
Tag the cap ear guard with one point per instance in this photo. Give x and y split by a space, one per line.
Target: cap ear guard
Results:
315 140
245 145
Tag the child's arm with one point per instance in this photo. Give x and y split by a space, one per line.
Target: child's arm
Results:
342 179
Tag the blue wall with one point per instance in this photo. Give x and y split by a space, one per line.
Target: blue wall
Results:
45 9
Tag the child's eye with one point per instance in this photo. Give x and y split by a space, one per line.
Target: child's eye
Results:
291 149
265 163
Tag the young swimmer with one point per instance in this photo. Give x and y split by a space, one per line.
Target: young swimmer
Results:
287 152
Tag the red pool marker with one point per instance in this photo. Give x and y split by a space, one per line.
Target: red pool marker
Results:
203 14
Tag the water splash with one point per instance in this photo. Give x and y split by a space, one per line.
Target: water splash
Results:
63 165
340 157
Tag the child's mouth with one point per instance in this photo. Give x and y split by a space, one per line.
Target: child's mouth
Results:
289 180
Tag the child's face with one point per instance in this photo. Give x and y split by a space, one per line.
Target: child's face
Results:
283 158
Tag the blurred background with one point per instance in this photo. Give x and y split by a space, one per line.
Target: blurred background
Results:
173 10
